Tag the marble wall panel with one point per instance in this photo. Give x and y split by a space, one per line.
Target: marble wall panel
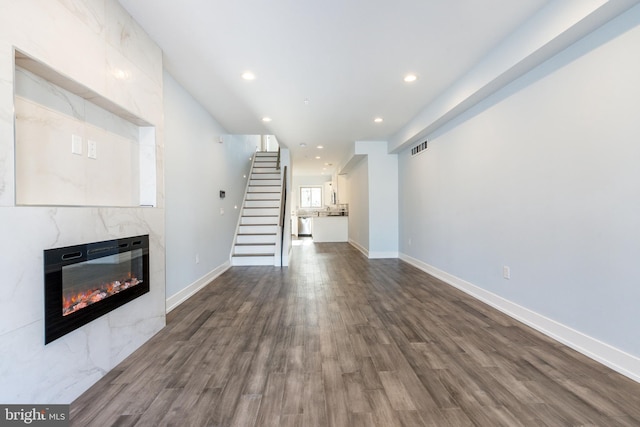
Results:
71 37
91 12
130 87
7 197
55 36
148 166
127 37
59 371
40 91
47 173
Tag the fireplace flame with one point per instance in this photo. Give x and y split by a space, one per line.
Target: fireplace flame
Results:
74 302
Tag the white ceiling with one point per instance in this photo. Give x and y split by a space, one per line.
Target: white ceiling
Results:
346 57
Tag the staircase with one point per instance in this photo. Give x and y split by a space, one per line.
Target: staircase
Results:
257 233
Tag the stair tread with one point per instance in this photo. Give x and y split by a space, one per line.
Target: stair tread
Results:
257 254
255 244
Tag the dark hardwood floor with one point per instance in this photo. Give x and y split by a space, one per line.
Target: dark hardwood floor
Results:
340 340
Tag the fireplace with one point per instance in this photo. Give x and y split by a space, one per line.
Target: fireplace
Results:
84 282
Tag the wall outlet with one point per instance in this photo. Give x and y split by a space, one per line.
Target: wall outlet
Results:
197 258
76 144
409 241
221 211
506 272
92 149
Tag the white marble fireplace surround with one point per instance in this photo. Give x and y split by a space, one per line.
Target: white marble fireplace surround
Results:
97 44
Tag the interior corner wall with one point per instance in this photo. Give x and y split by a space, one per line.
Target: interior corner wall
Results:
357 181
200 225
372 186
82 41
543 177
383 200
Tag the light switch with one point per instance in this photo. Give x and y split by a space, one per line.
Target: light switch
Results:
92 149
76 144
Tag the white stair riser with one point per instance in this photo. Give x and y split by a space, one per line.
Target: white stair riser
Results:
257 229
258 225
255 249
264 164
261 211
264 169
256 238
265 176
265 189
263 196
273 182
262 204
248 220
248 260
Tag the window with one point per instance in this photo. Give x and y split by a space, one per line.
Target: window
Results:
310 197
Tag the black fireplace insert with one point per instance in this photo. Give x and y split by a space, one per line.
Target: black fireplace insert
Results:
84 282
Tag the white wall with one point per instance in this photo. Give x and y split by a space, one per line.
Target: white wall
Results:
357 181
81 40
383 198
198 166
543 177
371 176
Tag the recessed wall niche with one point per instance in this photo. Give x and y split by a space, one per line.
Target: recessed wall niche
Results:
74 147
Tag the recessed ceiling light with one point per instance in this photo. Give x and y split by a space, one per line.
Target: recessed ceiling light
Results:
320 147
410 78
328 164
317 157
378 120
266 119
248 75
302 144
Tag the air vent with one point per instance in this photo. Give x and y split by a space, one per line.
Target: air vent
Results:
419 148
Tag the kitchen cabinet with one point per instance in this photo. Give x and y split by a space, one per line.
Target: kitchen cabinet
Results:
330 229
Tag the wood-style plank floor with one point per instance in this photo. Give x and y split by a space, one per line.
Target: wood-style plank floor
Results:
340 340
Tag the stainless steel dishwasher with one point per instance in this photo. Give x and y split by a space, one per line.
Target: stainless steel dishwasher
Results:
304 226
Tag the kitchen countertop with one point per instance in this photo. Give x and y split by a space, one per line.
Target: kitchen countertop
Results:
321 213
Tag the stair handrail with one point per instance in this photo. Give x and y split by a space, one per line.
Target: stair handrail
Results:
278 160
283 204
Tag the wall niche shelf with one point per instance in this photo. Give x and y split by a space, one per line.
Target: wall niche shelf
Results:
74 147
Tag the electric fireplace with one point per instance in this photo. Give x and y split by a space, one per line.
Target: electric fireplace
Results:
84 282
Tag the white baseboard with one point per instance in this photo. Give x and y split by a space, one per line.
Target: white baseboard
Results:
616 359
359 247
379 255
372 255
175 300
